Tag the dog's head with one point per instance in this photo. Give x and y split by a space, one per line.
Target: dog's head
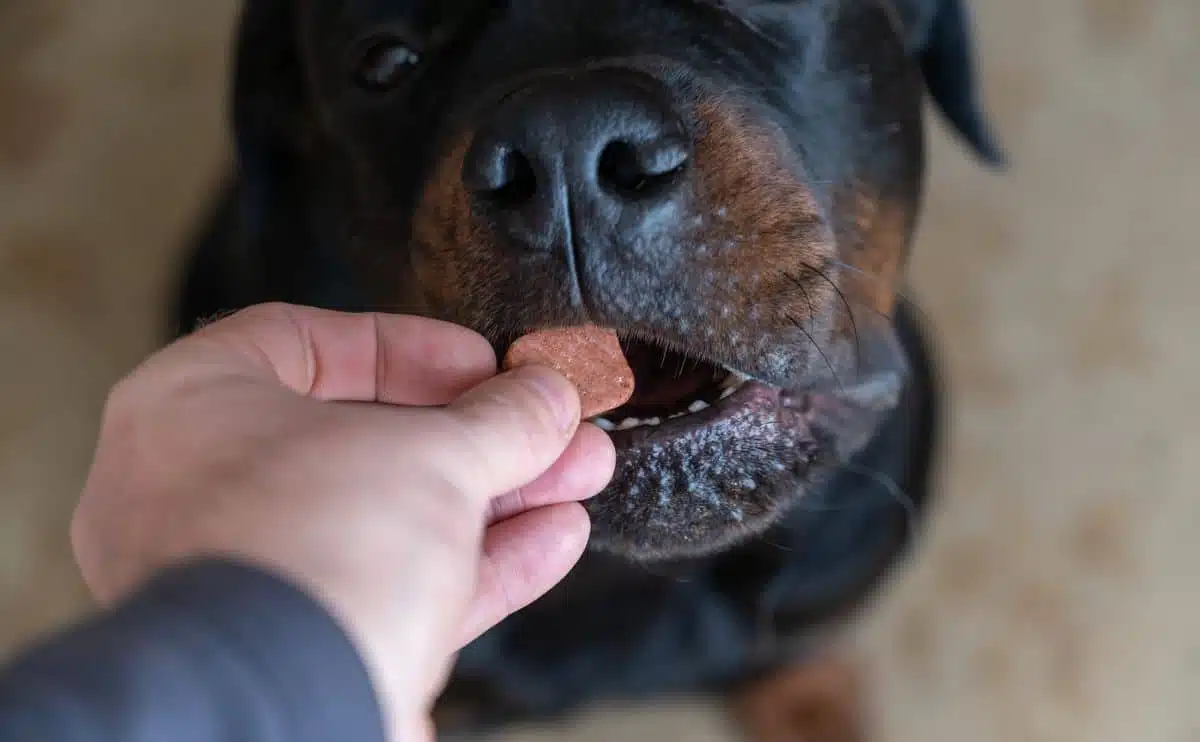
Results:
731 185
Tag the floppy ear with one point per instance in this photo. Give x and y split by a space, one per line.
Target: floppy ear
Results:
941 40
937 34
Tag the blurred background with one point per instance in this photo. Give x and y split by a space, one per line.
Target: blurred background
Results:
1056 596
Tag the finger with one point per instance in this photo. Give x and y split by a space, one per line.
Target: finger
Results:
522 559
417 729
511 428
357 357
584 469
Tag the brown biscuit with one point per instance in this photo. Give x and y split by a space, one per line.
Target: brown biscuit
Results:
590 357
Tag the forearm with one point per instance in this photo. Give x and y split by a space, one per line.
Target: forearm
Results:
209 653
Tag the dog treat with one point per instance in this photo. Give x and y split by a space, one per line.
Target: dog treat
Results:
590 357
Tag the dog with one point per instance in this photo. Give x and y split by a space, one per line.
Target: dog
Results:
733 186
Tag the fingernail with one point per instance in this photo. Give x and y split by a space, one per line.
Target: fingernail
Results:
559 395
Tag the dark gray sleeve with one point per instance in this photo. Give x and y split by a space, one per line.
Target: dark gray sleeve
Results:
213 652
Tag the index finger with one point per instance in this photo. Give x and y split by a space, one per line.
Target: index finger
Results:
357 357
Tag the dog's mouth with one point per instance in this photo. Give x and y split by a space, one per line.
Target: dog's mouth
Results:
707 456
672 391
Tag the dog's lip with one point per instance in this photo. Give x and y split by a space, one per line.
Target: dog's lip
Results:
701 354
846 404
693 422
843 409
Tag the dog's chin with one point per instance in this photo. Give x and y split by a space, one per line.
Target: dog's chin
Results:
736 454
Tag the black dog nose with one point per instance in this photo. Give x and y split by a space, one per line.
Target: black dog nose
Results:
593 152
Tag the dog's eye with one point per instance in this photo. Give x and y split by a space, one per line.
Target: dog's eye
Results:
384 62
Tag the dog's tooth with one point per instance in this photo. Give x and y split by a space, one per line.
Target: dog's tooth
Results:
698 405
604 424
628 423
734 379
653 421
676 416
728 392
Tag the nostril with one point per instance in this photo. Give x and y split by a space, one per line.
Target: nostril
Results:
636 171
518 183
501 175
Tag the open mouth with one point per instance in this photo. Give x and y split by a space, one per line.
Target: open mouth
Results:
702 452
707 455
672 391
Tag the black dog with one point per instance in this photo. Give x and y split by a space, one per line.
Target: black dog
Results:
731 184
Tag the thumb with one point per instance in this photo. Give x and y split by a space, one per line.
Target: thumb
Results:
514 427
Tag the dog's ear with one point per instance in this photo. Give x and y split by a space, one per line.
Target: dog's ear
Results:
940 37
937 33
271 121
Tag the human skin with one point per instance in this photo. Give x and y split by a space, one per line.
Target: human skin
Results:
378 462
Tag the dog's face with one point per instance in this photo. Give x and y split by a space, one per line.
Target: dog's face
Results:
730 185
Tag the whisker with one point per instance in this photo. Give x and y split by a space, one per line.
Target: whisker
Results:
908 403
807 299
775 544
799 283
893 490
817 346
849 314
890 488
823 506
891 285
662 575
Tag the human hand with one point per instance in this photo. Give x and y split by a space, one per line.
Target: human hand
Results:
376 461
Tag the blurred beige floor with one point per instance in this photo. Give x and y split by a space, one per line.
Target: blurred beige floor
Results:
1056 598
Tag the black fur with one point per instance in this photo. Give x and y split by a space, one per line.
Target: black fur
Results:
290 227
948 65
619 631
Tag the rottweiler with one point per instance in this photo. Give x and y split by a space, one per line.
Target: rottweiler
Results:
733 186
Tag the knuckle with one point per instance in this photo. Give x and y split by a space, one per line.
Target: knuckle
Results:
255 316
507 425
121 407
